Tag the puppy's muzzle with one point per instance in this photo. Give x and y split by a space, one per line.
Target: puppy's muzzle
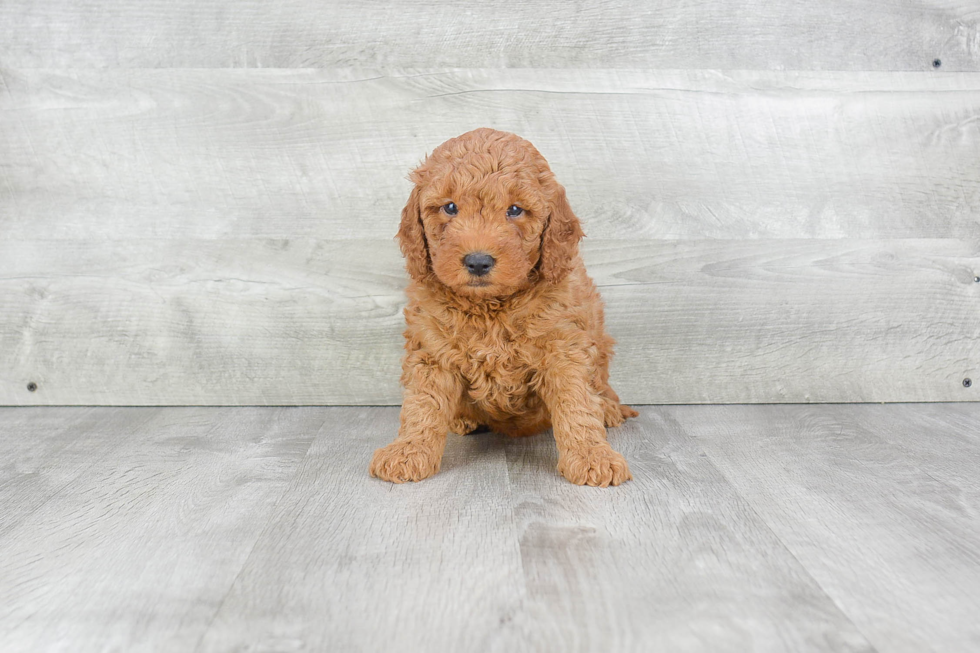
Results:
478 263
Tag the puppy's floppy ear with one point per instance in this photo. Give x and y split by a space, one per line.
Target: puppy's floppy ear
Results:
559 243
411 239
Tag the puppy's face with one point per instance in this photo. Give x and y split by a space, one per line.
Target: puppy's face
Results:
487 218
483 217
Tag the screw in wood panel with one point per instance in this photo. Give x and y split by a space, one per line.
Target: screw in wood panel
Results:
32 387
967 383
936 63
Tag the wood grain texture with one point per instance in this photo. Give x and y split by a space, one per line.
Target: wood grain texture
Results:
137 550
762 528
879 503
644 154
499 553
44 450
375 566
263 321
671 561
758 34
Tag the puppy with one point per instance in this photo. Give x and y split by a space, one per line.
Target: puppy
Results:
504 326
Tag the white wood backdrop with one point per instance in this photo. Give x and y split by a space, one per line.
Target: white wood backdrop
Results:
782 200
749 34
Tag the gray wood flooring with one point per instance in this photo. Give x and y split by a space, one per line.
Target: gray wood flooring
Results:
747 528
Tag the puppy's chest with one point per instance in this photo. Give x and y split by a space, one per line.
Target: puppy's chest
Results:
497 363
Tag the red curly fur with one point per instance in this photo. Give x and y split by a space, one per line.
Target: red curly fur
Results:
521 349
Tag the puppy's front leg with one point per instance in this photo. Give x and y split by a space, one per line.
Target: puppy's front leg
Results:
584 456
431 400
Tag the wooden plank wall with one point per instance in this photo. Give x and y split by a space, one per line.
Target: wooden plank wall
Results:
197 200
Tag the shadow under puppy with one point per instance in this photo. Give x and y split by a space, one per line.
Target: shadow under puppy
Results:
504 326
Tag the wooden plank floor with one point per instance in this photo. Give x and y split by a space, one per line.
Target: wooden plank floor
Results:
747 528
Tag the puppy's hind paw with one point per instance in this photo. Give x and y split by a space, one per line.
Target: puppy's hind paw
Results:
596 465
627 411
462 426
404 461
615 413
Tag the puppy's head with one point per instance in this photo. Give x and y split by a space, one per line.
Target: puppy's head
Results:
487 217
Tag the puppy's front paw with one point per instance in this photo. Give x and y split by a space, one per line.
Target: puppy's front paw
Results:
596 465
404 461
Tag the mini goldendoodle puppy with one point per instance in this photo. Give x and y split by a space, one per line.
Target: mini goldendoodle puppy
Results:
504 326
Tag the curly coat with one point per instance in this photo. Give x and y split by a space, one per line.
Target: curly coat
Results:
520 348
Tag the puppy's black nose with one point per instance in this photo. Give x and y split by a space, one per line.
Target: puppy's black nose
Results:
478 263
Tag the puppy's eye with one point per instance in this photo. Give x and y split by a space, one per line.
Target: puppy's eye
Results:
451 208
514 211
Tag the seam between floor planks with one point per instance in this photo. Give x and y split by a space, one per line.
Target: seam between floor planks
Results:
911 532
786 547
105 489
626 549
271 516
